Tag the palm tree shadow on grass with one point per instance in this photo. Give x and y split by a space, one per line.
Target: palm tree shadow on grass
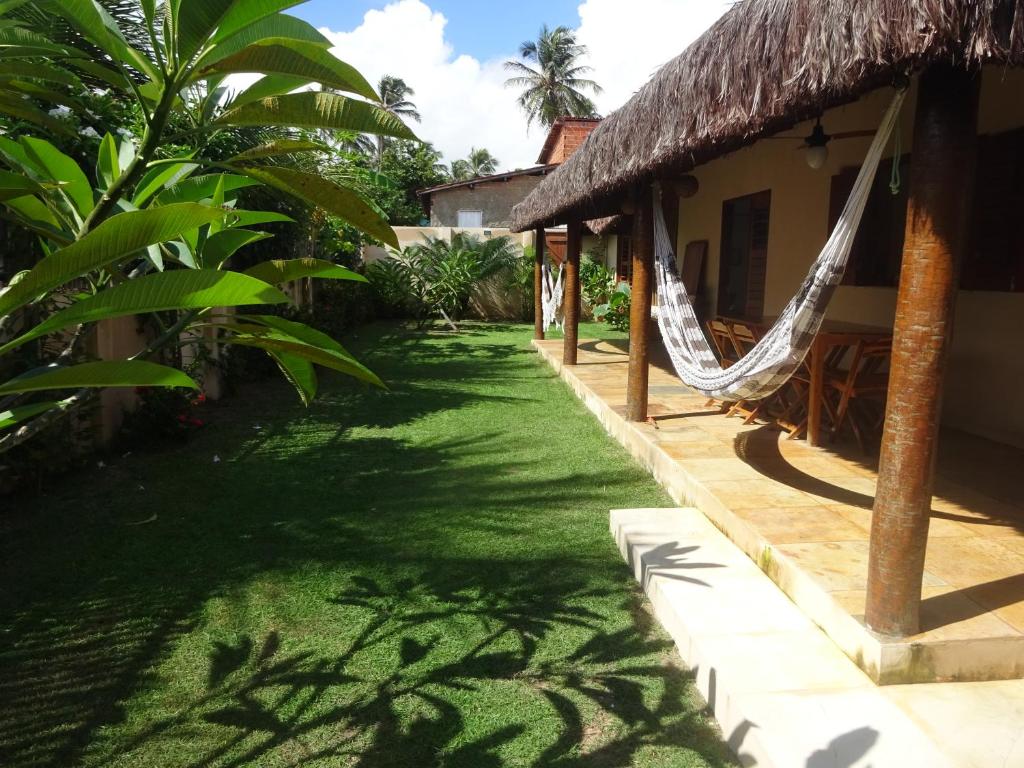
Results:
94 607
272 706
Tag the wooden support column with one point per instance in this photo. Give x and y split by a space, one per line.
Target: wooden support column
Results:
538 286
573 248
640 309
941 184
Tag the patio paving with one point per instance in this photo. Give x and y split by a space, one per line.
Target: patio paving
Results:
803 515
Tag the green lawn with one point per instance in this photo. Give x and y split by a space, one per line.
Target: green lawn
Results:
408 578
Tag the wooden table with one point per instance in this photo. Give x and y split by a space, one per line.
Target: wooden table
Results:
833 333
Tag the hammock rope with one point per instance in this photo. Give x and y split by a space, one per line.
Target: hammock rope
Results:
552 293
777 355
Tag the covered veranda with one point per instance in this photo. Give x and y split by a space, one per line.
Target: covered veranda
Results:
915 574
804 515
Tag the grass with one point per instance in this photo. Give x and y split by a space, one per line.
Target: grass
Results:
419 577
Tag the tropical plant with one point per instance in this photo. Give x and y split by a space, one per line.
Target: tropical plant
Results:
406 168
597 282
152 227
480 162
394 98
554 87
435 278
616 311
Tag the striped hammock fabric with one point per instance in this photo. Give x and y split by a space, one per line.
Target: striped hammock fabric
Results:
552 293
778 355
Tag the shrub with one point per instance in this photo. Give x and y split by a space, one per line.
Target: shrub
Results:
615 311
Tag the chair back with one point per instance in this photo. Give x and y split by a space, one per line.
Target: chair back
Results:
721 339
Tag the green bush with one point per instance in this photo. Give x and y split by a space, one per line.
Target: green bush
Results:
615 311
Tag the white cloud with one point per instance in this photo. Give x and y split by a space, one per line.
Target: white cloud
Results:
464 101
628 44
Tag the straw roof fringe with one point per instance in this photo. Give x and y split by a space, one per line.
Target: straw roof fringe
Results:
763 67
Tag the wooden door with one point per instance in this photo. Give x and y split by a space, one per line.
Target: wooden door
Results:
743 263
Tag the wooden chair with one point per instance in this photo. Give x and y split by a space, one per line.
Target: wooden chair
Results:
797 395
743 339
721 340
861 388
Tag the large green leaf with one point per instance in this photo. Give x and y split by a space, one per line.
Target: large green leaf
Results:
117 237
279 343
108 164
317 109
280 271
20 37
279 25
298 331
112 373
39 71
300 372
160 177
295 58
93 21
178 289
201 187
265 87
197 20
14 185
221 246
277 148
22 413
241 218
32 210
335 199
61 168
246 12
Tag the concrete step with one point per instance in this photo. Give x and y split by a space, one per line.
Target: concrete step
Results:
783 693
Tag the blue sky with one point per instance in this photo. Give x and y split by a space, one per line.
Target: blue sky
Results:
451 52
483 29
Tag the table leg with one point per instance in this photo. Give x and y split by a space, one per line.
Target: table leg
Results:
816 393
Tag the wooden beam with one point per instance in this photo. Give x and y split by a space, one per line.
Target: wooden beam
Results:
538 286
941 182
573 248
640 309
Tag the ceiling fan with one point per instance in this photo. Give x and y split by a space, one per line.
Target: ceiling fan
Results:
816 144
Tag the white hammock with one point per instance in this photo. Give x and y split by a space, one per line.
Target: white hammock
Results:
774 359
552 293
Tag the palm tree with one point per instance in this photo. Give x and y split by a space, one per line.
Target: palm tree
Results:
479 163
394 97
555 87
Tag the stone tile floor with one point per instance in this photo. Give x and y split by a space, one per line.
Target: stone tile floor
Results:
814 504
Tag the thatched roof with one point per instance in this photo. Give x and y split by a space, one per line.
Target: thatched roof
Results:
603 225
763 67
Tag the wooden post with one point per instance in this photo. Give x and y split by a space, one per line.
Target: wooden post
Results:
640 308
941 183
573 248
538 286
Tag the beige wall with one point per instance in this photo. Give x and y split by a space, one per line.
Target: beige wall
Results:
415 236
983 392
495 198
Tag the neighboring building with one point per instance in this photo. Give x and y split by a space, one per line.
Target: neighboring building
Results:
487 202
481 203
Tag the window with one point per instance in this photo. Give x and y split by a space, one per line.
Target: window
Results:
994 260
878 247
471 220
743 265
994 256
